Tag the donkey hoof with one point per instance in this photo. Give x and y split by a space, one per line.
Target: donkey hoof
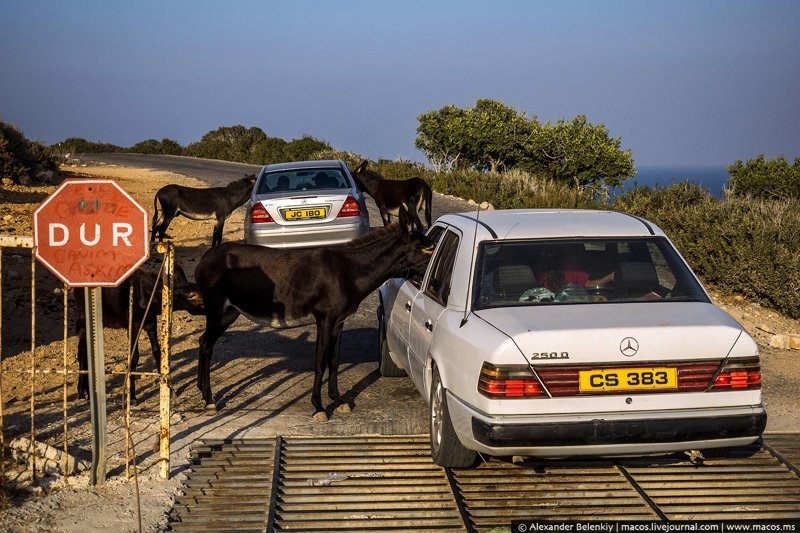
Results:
320 416
343 408
211 408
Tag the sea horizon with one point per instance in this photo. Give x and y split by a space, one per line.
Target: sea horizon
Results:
711 177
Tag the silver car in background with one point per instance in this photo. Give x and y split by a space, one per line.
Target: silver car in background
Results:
304 204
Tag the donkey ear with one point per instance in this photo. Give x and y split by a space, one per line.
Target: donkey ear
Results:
406 221
362 167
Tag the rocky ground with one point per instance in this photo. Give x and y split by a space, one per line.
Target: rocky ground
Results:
262 379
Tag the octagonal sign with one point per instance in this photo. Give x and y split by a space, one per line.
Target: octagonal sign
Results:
90 233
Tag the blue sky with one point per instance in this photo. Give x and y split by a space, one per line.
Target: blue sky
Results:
682 82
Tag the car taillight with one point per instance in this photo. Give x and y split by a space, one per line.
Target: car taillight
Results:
259 214
349 209
508 381
738 375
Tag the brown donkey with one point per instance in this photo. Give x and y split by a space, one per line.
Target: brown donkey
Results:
414 194
286 288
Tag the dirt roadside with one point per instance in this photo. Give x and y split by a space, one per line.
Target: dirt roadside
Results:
261 377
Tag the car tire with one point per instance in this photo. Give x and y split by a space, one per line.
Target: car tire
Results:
387 367
446 450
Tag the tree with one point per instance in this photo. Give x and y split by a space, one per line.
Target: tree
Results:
229 143
304 148
578 152
497 135
442 137
489 136
762 178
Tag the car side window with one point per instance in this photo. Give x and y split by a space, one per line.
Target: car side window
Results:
438 286
435 235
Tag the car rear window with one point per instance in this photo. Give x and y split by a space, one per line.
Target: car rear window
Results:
576 271
302 180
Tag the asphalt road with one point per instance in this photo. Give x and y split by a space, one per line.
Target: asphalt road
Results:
212 171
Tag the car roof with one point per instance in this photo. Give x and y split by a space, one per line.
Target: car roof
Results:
550 223
322 163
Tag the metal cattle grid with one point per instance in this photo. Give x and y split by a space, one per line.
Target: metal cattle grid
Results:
390 484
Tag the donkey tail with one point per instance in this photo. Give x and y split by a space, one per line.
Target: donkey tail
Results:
156 219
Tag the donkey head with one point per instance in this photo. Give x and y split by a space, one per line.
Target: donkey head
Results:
418 246
361 167
250 178
186 295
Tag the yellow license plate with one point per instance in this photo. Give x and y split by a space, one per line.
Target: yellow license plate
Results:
305 214
611 379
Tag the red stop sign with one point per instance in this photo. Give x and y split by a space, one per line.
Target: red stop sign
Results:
90 233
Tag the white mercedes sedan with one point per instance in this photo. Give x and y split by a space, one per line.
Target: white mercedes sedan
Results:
557 333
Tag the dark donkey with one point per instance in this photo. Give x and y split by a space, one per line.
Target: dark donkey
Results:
290 288
199 204
185 296
414 194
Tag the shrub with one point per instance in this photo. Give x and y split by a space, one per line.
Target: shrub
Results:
762 178
351 159
740 244
510 190
151 146
78 145
20 159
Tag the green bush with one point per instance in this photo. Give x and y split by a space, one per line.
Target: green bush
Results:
20 159
762 178
510 190
741 245
151 146
78 145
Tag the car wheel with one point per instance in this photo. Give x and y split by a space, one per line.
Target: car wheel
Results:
446 449
387 367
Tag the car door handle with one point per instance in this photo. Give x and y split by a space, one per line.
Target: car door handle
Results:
408 306
429 325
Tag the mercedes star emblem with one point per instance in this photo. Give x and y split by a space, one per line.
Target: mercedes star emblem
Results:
629 346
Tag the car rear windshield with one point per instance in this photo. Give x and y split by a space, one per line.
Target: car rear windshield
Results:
557 272
302 180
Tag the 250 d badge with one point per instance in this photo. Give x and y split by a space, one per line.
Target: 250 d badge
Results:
550 355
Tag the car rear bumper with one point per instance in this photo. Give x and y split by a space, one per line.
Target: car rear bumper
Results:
610 434
305 235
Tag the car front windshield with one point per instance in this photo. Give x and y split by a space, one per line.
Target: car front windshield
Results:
578 271
302 180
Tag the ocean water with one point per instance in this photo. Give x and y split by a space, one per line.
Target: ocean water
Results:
708 177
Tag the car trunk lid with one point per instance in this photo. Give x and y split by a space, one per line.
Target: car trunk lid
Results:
617 334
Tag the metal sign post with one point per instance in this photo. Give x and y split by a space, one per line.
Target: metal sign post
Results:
97 381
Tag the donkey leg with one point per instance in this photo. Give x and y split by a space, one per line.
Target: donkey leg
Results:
385 216
324 340
217 321
416 204
216 238
134 365
155 346
83 364
333 372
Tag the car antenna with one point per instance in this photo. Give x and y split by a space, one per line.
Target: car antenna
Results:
471 265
